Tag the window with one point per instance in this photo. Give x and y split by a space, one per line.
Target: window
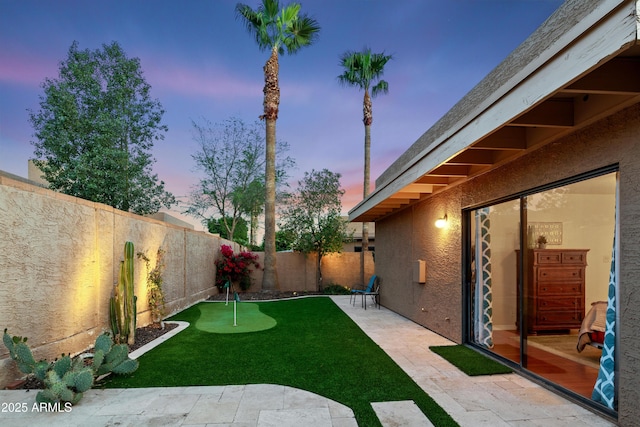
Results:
543 281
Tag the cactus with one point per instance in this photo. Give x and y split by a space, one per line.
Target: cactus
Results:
122 306
21 353
66 380
110 357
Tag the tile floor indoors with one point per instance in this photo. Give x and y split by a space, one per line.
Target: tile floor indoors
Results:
498 400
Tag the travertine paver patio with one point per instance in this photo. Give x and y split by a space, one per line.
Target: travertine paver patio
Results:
495 400
499 400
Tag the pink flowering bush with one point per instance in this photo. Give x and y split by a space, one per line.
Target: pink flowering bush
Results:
235 268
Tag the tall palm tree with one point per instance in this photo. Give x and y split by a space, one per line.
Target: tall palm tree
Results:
279 29
362 70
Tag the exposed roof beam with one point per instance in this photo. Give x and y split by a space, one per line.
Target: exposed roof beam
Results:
473 157
506 138
406 195
418 188
460 171
612 77
434 180
551 113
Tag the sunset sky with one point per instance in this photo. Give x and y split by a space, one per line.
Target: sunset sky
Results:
201 63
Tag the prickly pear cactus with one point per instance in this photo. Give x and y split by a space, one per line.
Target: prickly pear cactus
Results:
65 379
20 353
108 357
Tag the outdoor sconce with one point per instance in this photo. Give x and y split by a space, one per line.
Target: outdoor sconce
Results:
442 222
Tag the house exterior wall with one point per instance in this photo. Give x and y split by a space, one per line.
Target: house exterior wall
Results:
410 234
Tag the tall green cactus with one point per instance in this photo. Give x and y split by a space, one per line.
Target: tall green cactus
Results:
122 305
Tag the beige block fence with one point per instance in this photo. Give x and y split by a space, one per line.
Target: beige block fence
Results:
60 257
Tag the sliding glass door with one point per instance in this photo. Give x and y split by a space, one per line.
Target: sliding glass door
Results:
543 282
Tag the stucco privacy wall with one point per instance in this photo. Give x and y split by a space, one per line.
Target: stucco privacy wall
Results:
410 235
59 259
297 272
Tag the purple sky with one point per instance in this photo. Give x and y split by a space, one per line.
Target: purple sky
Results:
201 63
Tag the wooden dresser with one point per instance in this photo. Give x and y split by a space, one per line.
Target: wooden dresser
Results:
556 288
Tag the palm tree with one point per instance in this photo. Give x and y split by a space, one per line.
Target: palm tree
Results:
279 29
362 70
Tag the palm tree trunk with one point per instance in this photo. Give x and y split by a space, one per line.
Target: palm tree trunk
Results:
367 112
270 277
271 104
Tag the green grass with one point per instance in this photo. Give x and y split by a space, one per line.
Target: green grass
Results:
315 346
469 361
218 317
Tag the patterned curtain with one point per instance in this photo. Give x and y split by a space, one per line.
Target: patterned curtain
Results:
483 312
604 391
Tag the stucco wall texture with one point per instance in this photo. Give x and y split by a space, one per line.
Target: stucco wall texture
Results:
297 272
60 257
410 235
59 260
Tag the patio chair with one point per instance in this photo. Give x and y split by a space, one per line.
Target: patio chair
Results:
374 294
369 288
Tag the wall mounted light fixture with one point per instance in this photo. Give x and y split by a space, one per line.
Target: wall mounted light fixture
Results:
442 222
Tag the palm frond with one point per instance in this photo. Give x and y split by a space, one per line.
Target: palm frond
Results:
276 27
363 68
380 89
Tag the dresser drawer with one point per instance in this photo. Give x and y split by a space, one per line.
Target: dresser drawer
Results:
559 319
563 289
548 258
551 274
561 303
574 258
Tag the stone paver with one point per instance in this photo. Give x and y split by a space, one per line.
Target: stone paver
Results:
404 413
493 400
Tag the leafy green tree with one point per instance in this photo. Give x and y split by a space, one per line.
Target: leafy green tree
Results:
278 29
364 70
251 202
95 129
217 226
312 217
231 157
284 240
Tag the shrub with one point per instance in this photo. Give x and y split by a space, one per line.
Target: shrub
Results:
333 289
155 293
235 268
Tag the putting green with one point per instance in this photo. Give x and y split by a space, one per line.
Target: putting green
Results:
217 317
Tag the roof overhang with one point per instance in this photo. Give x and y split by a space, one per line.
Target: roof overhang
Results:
565 76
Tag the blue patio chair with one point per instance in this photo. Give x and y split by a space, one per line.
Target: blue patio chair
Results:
374 294
368 289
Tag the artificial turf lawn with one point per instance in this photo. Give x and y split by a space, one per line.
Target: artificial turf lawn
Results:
469 361
315 346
